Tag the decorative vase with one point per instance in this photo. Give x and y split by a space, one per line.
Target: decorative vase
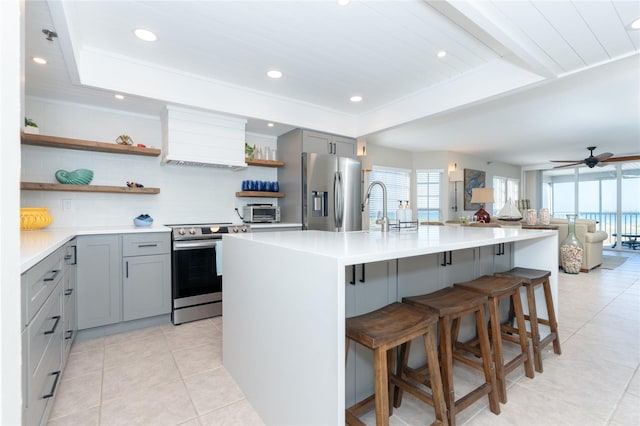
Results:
531 217
571 249
545 217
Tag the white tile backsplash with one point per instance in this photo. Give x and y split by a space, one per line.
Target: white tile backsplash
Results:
187 194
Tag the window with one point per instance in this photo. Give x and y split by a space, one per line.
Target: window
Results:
397 182
428 184
606 194
504 189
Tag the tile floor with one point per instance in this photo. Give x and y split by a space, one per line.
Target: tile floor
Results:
174 375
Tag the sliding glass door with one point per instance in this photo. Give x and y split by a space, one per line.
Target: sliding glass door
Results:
629 228
608 194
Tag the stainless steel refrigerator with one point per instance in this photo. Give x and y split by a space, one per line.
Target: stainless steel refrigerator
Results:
331 193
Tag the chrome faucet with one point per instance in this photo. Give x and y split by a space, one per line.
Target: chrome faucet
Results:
384 220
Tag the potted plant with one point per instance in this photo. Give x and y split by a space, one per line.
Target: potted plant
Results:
249 151
31 126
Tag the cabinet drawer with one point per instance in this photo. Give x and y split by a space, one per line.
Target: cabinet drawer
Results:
45 328
146 244
41 280
44 383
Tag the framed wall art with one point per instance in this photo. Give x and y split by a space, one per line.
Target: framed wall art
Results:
472 179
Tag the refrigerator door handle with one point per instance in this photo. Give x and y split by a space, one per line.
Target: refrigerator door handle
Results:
337 199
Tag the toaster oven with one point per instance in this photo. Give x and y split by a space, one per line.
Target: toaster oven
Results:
260 213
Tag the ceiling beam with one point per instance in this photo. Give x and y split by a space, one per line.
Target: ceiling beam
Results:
67 44
483 21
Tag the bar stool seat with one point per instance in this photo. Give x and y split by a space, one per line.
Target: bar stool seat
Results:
382 331
531 278
498 289
452 304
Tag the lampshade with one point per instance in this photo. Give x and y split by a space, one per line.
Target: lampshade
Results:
481 195
456 176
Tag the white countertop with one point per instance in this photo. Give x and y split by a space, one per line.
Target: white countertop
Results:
38 244
371 246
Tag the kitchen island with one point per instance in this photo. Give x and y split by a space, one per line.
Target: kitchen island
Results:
287 295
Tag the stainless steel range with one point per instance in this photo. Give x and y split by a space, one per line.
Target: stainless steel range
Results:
196 262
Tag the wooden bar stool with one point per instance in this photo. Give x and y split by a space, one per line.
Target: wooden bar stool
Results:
382 331
530 279
498 289
452 304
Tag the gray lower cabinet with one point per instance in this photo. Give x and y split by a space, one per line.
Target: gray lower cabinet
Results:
99 286
459 266
146 280
69 310
146 286
495 258
43 317
123 277
368 287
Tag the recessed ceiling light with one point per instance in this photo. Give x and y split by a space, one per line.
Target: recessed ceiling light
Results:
39 60
635 25
145 35
119 97
355 98
274 74
442 54
270 124
343 2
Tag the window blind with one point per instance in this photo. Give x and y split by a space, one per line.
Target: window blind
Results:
397 182
428 193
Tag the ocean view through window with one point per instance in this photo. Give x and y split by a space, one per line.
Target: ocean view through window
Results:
610 195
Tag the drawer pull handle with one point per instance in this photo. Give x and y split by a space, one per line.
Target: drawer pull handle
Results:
68 292
69 335
53 330
54 274
147 245
55 385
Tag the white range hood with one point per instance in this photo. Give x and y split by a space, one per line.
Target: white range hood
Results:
197 138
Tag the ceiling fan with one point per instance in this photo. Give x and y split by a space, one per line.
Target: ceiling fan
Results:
592 160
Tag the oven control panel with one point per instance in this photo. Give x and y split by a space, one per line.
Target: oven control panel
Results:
199 232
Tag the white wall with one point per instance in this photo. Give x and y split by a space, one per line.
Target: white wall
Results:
187 194
11 41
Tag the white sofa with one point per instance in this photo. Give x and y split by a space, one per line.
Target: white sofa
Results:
588 235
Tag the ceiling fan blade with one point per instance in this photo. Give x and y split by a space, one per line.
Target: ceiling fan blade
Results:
618 159
565 161
603 156
577 163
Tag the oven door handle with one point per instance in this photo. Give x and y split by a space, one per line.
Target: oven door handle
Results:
190 245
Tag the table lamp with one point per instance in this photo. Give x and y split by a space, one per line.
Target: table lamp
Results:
482 196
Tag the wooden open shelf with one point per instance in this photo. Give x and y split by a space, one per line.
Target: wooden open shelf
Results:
34 186
263 194
264 163
82 145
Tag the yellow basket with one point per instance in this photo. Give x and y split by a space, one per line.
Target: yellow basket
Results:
34 218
